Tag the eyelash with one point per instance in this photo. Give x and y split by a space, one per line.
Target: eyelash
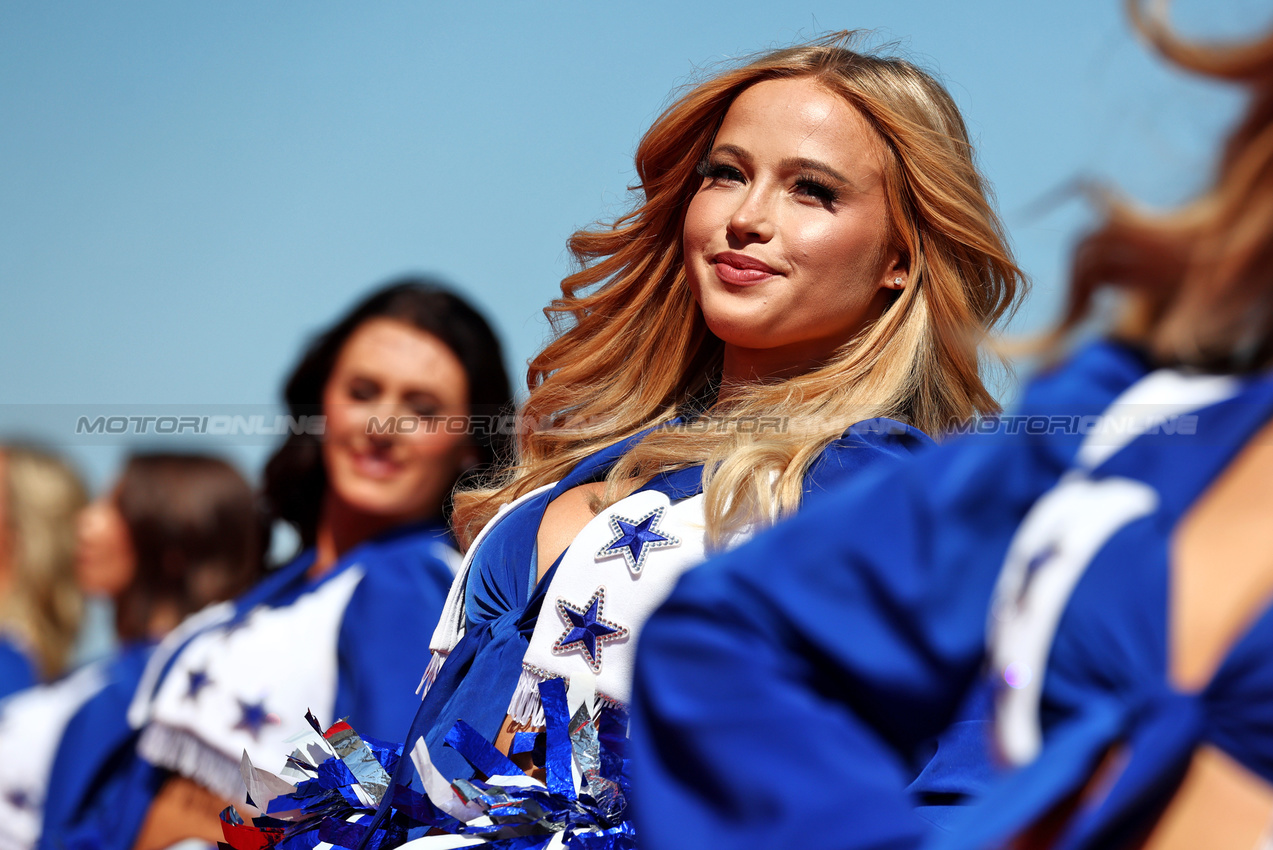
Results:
808 184
709 170
363 391
815 188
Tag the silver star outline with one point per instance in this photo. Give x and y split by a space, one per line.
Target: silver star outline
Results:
586 629
641 535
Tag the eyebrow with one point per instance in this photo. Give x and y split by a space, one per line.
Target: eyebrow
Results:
791 163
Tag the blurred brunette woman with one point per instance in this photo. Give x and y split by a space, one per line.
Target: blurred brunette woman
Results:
340 630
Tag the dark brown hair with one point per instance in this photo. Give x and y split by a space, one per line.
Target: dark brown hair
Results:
196 532
295 480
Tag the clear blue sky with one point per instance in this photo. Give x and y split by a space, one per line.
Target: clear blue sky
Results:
189 190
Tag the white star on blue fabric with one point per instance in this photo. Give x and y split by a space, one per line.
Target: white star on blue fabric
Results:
587 630
634 539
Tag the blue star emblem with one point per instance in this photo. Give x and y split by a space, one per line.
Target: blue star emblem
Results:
587 630
198 681
254 717
634 539
19 799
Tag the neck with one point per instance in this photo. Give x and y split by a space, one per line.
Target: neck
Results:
741 367
341 528
164 617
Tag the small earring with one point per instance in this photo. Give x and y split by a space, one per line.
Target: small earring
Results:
897 282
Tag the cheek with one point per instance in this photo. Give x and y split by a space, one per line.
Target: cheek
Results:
851 256
121 554
698 227
343 425
436 453
106 565
342 416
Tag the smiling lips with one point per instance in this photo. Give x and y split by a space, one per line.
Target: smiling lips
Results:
739 269
374 464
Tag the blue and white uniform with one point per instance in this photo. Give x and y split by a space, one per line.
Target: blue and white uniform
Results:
31 726
95 744
17 670
503 632
783 688
345 645
240 676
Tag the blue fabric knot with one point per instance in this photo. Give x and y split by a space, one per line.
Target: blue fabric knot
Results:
1161 710
1163 728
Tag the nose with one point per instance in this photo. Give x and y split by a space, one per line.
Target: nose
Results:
87 521
752 219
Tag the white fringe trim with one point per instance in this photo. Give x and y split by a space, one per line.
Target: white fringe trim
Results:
525 707
184 753
431 672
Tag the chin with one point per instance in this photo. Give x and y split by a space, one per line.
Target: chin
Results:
366 495
383 499
741 335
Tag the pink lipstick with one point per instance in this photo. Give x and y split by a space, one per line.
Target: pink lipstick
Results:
739 269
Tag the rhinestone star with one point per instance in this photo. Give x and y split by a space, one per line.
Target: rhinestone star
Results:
586 629
634 539
198 681
254 717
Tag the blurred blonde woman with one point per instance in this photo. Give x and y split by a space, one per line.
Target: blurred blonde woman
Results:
40 603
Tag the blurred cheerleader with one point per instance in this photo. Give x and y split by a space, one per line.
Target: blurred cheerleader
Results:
176 533
40 604
408 388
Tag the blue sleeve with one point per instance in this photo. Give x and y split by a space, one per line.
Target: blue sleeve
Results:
97 768
88 746
113 819
16 670
862 446
784 690
383 648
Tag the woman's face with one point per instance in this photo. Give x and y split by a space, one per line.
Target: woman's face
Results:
105 563
397 430
787 239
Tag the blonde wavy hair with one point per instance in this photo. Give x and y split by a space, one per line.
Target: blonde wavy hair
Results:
1197 278
42 604
632 349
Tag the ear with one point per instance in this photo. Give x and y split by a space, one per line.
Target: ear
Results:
897 271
